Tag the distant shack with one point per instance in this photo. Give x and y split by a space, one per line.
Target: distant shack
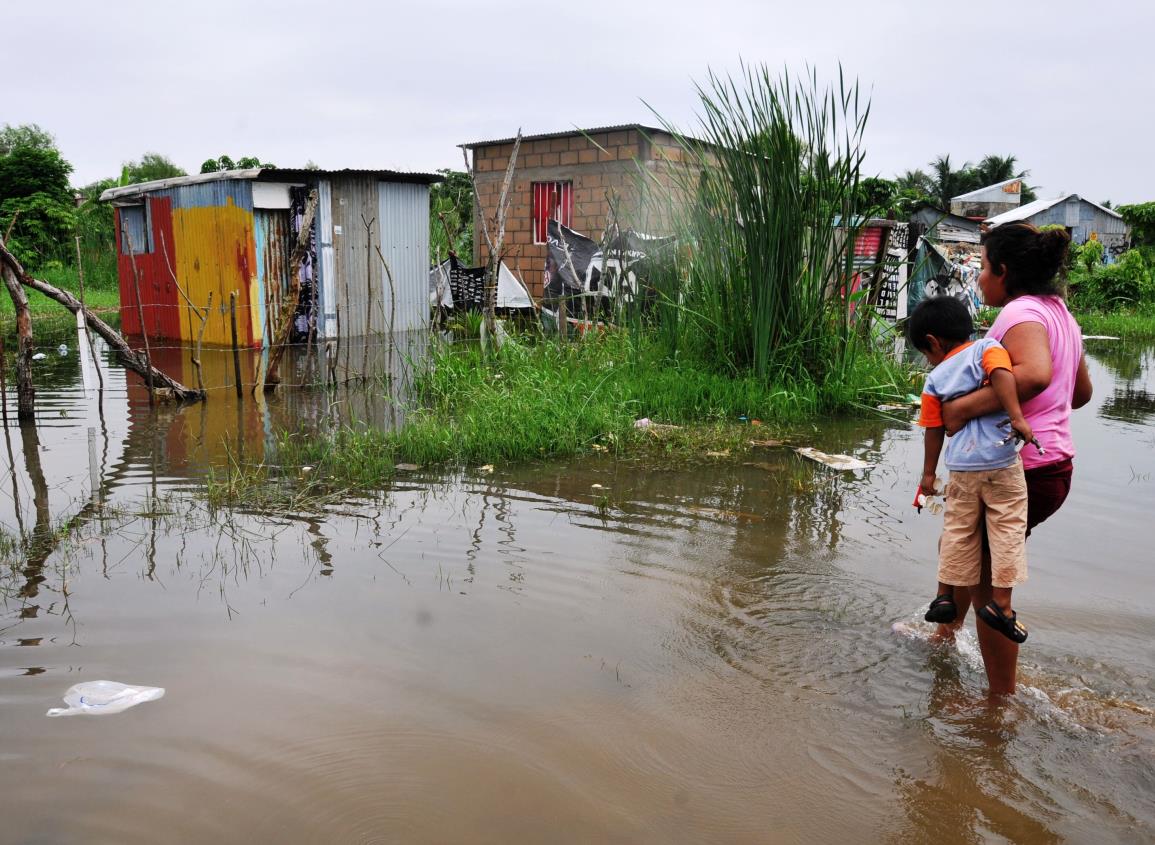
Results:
181 239
1082 218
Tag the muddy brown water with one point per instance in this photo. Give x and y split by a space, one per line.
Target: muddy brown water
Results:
696 654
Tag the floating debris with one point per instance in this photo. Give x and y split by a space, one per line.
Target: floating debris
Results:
104 697
410 467
1099 337
725 453
485 470
767 444
646 424
838 462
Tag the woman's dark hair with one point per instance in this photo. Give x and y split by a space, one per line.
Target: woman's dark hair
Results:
1031 258
944 317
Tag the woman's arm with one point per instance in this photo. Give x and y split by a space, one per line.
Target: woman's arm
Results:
1083 387
1030 352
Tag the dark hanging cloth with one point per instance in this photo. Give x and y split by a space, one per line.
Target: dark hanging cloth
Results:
567 261
305 319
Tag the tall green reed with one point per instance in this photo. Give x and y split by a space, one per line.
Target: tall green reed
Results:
764 205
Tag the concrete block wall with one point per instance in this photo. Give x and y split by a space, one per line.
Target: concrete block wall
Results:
602 165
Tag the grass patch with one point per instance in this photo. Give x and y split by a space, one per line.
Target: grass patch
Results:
50 315
1138 323
556 400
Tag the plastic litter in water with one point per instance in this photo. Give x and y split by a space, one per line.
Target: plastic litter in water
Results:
838 462
39 356
62 350
100 697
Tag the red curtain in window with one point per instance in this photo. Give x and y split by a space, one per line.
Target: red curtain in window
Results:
551 201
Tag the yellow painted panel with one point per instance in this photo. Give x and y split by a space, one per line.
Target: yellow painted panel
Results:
215 252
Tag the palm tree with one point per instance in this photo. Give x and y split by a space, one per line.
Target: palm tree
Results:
947 182
995 168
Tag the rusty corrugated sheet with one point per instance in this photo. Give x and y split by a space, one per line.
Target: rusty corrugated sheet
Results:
215 252
273 236
150 272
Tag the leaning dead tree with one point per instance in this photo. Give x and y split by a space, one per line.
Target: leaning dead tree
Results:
25 391
135 361
293 298
496 241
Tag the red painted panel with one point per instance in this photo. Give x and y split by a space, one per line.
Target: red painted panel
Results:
159 298
868 242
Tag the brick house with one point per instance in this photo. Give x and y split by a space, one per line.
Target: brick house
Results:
572 177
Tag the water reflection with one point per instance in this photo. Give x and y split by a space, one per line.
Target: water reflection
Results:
690 653
1131 400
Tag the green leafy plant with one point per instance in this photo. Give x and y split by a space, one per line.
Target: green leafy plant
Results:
1090 255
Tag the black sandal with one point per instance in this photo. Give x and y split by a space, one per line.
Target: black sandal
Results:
1008 626
942 610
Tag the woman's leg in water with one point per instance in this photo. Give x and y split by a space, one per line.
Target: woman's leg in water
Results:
1000 655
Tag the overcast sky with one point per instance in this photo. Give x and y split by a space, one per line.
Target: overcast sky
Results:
1068 88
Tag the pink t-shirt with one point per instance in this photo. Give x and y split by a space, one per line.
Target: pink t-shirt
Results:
1049 413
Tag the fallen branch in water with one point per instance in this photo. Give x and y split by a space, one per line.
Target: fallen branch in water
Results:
163 384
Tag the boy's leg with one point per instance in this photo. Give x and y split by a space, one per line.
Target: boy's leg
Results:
960 547
946 630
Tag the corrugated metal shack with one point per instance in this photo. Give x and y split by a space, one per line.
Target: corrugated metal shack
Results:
181 239
1081 217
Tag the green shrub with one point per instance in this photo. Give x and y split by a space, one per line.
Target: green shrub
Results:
1127 282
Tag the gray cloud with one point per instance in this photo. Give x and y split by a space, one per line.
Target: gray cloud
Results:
1063 86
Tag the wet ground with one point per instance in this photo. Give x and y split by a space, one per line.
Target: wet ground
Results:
700 654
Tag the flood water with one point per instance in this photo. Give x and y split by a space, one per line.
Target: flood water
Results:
693 654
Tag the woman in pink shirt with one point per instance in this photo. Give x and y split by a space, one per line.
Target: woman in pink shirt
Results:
1019 266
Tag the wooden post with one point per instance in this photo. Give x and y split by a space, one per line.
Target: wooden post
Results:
236 350
88 334
368 294
3 380
140 316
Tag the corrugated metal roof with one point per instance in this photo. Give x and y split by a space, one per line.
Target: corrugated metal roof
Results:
265 174
545 136
975 194
1029 210
176 181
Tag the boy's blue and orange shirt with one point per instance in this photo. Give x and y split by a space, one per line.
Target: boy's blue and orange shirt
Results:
967 368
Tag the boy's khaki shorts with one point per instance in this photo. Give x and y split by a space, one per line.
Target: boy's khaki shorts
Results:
999 495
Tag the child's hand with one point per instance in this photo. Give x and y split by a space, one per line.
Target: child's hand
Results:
1023 429
927 484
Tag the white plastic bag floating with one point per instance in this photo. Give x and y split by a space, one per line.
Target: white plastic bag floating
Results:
839 462
98 697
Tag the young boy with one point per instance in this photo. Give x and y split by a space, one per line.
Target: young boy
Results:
986 475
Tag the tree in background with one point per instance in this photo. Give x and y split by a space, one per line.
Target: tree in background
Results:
452 201
216 165
27 135
35 198
876 196
1141 218
152 166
